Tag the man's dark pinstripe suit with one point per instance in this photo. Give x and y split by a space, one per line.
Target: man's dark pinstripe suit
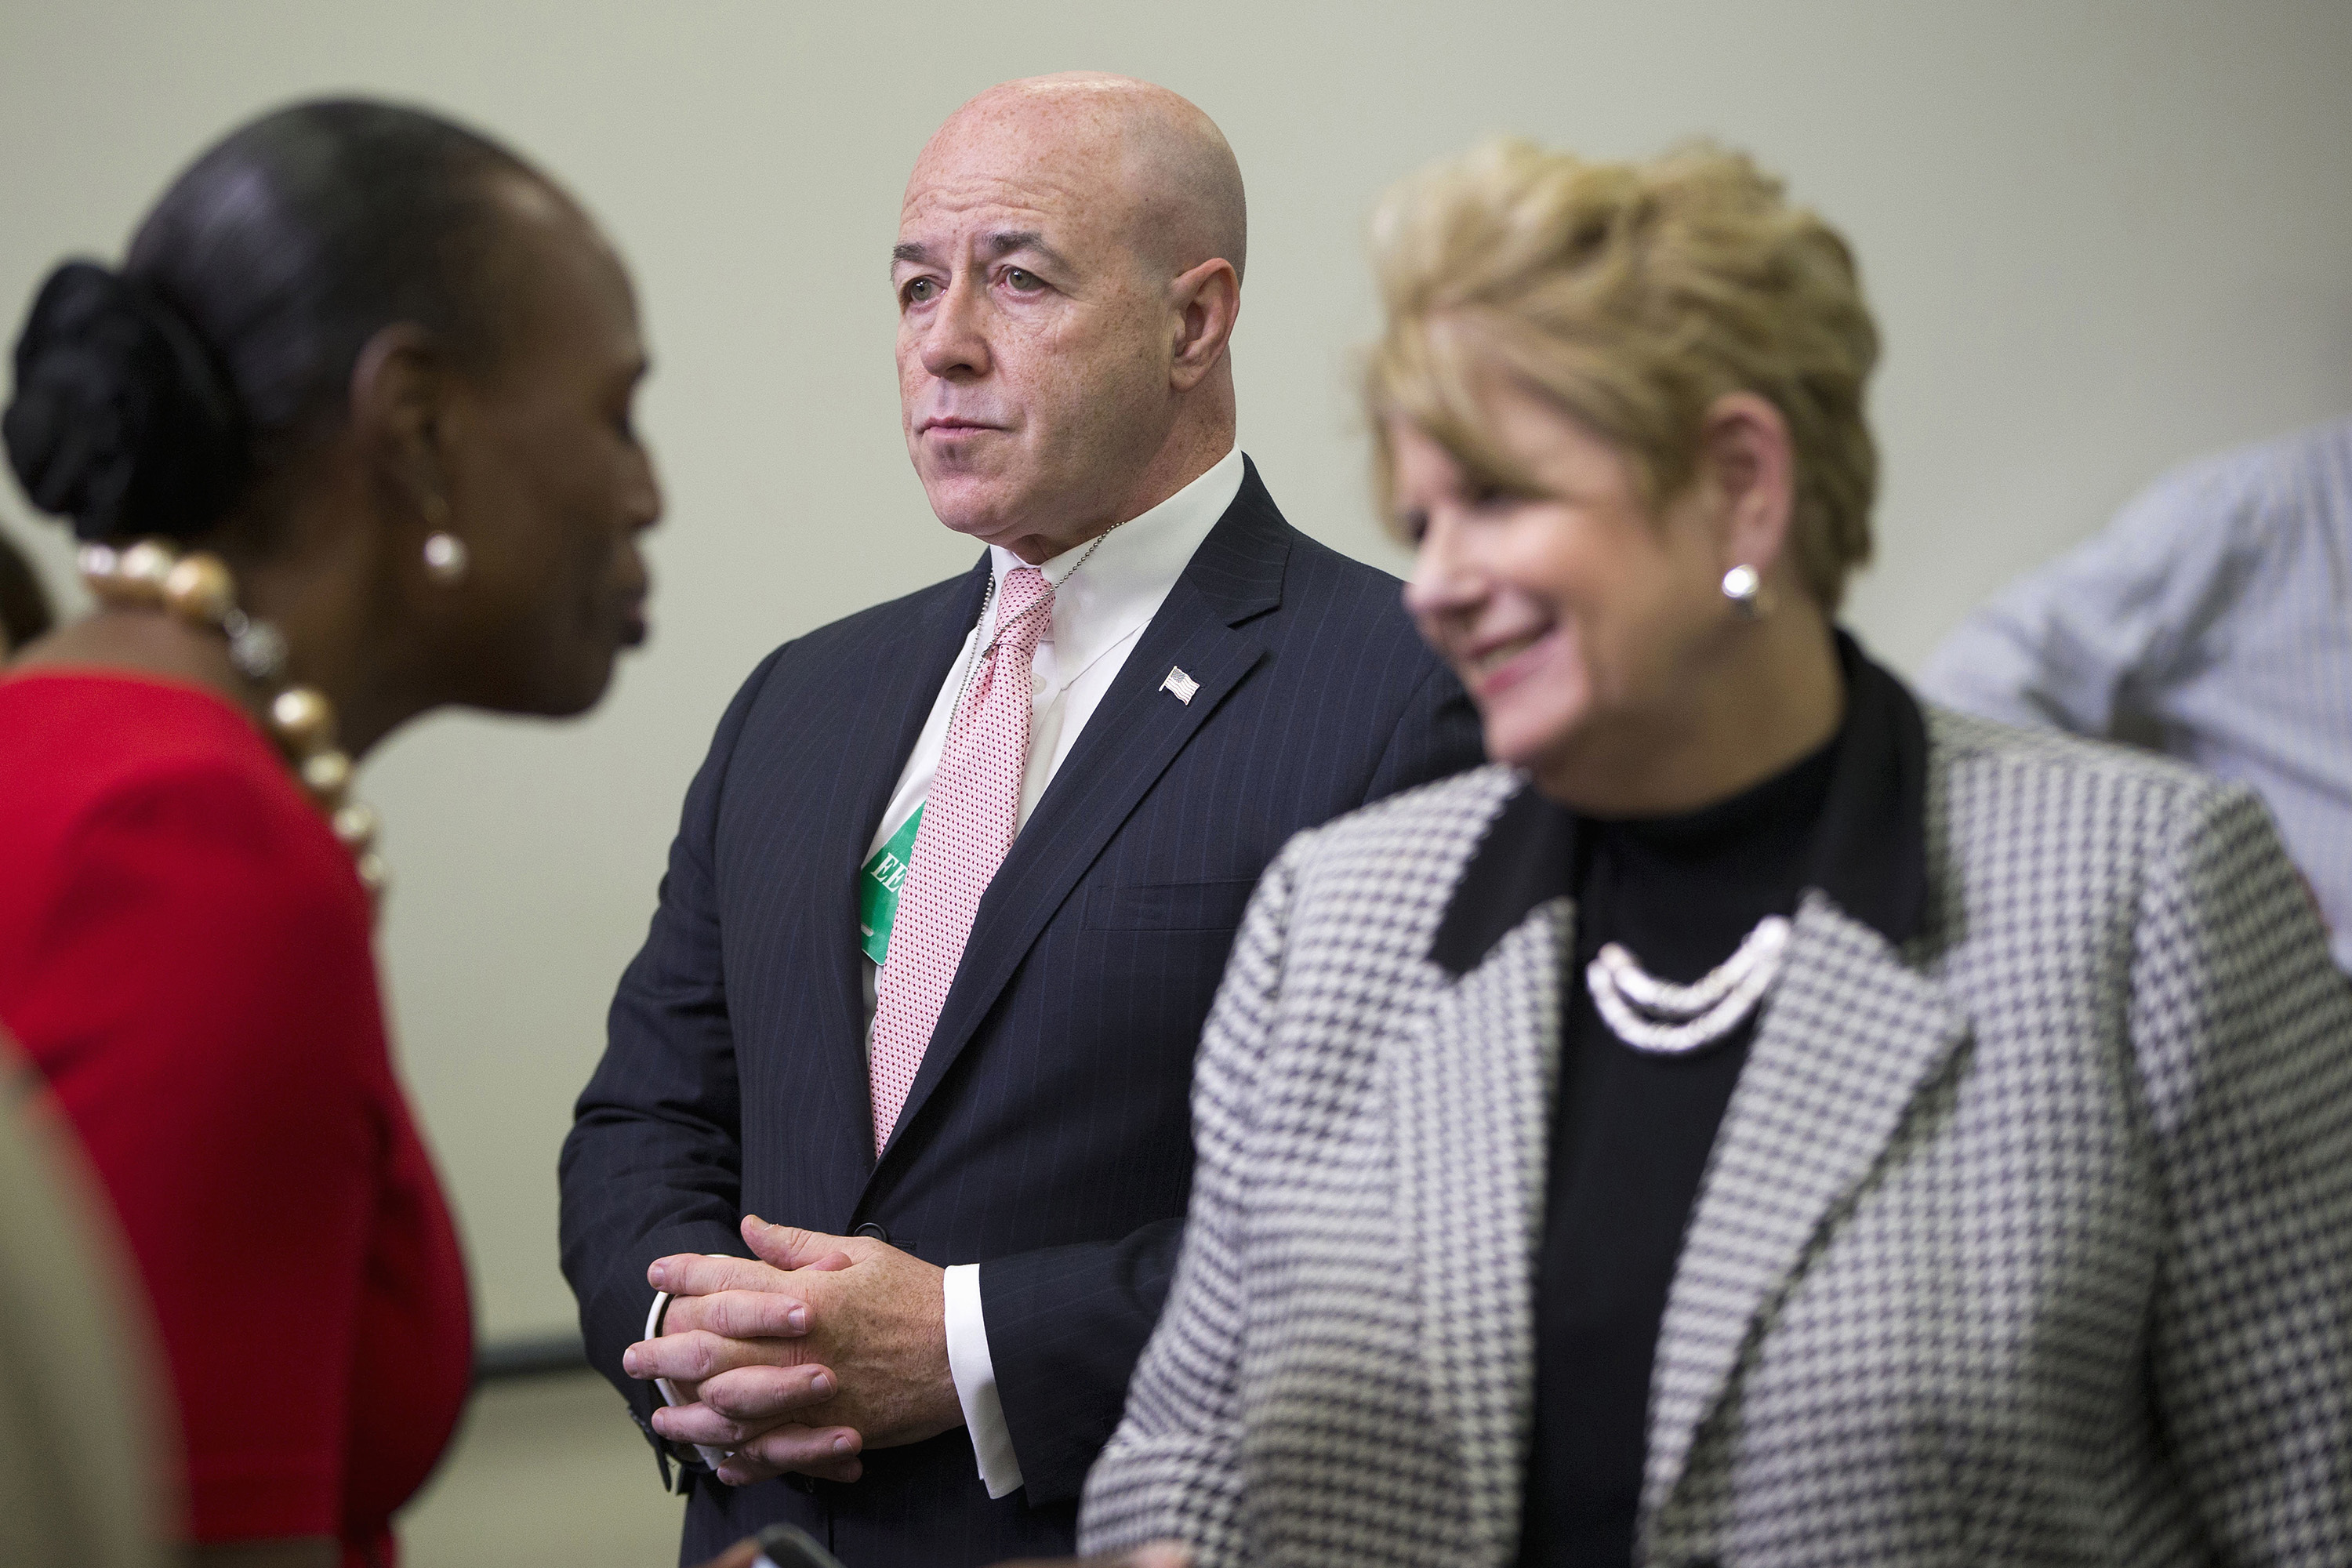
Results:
1046 1136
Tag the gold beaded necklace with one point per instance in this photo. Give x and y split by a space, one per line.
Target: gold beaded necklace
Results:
199 589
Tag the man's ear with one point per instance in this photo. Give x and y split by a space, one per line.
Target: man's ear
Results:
399 407
1747 459
1208 300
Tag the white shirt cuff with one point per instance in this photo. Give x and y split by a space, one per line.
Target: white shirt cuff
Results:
975 1382
714 1458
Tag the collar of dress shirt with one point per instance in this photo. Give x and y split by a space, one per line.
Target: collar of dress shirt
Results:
1102 598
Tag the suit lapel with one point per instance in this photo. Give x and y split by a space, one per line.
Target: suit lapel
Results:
1133 735
906 669
1475 1088
1848 1040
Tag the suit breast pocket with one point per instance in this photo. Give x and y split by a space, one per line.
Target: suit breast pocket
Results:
1169 905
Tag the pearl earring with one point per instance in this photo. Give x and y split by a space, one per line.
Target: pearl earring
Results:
445 558
1744 586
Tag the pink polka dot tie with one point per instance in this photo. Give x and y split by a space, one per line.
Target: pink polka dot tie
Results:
967 830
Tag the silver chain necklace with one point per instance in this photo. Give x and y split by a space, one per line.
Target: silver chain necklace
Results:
974 652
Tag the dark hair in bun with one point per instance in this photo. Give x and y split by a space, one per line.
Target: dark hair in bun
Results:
119 414
152 400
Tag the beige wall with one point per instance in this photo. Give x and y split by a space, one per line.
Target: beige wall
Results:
2100 237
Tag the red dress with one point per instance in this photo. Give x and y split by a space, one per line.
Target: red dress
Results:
185 950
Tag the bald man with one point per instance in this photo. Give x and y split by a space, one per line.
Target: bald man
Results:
876 1193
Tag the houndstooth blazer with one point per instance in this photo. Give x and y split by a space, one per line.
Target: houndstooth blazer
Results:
2031 1242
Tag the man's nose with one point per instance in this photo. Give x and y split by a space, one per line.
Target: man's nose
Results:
955 342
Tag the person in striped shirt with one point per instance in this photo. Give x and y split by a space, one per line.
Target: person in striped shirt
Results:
2212 620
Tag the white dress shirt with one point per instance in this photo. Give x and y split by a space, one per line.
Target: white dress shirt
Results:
1104 594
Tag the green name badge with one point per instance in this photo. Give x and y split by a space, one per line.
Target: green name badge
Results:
878 888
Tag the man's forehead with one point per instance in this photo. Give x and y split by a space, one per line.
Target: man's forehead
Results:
984 196
986 206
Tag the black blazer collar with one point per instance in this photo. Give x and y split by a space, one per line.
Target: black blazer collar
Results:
1237 573
1871 857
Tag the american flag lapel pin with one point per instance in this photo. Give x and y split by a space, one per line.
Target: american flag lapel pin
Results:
1181 684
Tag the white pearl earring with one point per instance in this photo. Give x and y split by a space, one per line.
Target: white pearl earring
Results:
1744 586
445 558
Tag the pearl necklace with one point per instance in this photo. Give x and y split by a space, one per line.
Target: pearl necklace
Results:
199 589
1666 1019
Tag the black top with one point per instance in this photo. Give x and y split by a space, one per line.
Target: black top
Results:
1632 1129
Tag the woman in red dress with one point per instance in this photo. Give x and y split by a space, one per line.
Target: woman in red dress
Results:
346 438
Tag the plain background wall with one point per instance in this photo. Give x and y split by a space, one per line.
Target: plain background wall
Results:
2100 237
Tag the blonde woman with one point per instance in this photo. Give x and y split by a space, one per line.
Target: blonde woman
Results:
1758 1120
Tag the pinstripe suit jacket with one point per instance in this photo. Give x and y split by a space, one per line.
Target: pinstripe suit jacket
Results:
1046 1135
2029 1242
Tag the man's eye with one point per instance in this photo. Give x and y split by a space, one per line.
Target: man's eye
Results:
922 290
1022 282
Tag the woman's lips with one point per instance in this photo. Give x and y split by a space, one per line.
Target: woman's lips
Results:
1501 666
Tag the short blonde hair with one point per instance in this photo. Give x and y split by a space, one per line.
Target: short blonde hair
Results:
1634 295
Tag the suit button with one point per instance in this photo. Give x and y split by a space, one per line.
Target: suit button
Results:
873 1231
